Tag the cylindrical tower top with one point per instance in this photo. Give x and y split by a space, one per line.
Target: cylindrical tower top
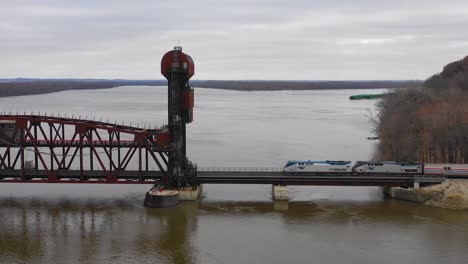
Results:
177 61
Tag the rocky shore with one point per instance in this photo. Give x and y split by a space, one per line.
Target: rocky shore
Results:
451 194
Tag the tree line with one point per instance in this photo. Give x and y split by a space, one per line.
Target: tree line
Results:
31 86
13 88
427 124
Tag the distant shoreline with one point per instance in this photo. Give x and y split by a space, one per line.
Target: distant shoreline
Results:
18 87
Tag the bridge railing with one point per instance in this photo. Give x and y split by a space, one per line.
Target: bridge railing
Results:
85 141
239 169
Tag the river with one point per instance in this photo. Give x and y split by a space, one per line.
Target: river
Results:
231 223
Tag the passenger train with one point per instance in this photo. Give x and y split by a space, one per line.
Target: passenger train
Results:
368 167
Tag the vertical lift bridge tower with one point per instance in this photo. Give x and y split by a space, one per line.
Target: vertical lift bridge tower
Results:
178 68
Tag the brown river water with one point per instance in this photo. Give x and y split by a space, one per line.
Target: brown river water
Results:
60 223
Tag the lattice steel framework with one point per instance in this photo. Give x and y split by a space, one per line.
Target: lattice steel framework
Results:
56 149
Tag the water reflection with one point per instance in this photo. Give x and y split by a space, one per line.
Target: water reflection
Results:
120 230
95 231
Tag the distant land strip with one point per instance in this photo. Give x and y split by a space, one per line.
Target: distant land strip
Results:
17 87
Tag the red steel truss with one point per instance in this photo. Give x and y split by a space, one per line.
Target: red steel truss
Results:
51 149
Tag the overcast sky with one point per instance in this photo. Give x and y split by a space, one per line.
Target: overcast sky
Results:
238 39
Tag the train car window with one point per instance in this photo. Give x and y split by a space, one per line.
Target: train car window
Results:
2 125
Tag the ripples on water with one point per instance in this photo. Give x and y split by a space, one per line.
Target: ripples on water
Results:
231 224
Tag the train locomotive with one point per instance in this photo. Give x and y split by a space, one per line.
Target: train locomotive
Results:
370 167
318 166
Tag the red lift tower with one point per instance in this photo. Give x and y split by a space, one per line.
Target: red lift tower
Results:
178 68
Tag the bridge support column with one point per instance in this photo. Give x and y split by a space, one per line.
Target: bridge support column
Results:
190 193
279 192
280 205
416 185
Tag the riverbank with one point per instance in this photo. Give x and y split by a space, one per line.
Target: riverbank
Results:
16 87
451 194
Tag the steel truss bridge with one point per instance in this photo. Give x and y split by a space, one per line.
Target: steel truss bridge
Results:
51 149
48 149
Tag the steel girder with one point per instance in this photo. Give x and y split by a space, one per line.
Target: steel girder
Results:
56 145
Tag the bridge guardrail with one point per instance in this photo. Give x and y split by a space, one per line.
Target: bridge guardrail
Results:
85 141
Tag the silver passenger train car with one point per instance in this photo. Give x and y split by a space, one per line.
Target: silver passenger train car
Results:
449 169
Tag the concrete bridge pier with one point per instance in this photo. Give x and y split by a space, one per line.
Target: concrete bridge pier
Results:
280 205
416 185
279 192
190 193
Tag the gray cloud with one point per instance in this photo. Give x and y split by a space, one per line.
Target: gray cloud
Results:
255 39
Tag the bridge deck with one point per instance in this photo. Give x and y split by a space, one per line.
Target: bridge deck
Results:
224 177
